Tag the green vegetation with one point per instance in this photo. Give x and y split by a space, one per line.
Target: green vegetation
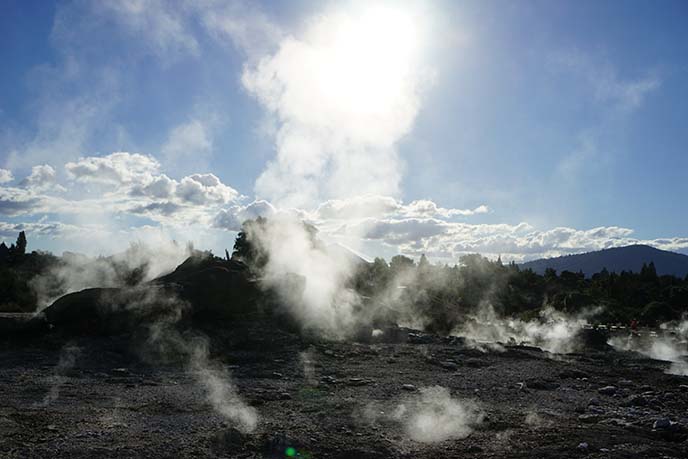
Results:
17 269
446 294
29 280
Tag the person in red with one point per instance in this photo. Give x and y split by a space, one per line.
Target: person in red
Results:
634 325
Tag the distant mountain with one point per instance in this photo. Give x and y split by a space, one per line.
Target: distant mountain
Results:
629 258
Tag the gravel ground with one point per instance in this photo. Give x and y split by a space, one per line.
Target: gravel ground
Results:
113 397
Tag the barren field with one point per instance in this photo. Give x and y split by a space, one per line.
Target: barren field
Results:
108 397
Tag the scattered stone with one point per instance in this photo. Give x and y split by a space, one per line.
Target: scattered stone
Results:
328 380
8 427
625 383
635 400
229 440
120 370
449 365
616 422
542 384
662 423
357 382
589 418
285 396
419 338
409 387
476 363
583 445
277 375
607 390
594 402
683 387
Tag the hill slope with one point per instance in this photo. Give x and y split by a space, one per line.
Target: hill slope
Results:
629 258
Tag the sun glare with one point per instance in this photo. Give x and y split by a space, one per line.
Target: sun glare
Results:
365 64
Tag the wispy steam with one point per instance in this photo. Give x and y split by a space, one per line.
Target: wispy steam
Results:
166 342
139 263
68 356
669 345
222 394
435 416
318 295
555 332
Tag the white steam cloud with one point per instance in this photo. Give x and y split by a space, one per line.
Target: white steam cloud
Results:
310 277
221 393
343 93
669 344
139 263
555 332
435 416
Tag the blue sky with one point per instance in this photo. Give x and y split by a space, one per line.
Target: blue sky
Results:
536 128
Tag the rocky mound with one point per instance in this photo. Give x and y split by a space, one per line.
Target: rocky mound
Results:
202 288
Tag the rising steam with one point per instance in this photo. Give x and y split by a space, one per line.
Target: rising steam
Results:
669 345
68 357
338 122
555 332
139 263
221 393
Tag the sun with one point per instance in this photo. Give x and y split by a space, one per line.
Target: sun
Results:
363 66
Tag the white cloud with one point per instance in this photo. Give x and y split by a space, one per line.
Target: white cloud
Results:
6 176
447 241
427 208
17 201
203 201
116 168
357 207
205 189
232 218
108 187
42 177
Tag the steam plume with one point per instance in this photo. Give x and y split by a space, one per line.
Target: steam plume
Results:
435 416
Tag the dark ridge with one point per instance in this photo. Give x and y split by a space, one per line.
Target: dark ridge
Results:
630 258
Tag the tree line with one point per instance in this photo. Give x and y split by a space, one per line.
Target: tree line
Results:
443 294
446 294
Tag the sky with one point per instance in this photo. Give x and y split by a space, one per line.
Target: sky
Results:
516 129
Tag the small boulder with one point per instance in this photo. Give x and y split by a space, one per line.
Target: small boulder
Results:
607 390
662 423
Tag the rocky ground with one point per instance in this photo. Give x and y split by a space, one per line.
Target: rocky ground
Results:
94 396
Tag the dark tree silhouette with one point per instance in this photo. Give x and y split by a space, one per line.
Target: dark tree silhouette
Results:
20 246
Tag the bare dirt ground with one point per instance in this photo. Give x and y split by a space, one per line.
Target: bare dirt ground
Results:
101 397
